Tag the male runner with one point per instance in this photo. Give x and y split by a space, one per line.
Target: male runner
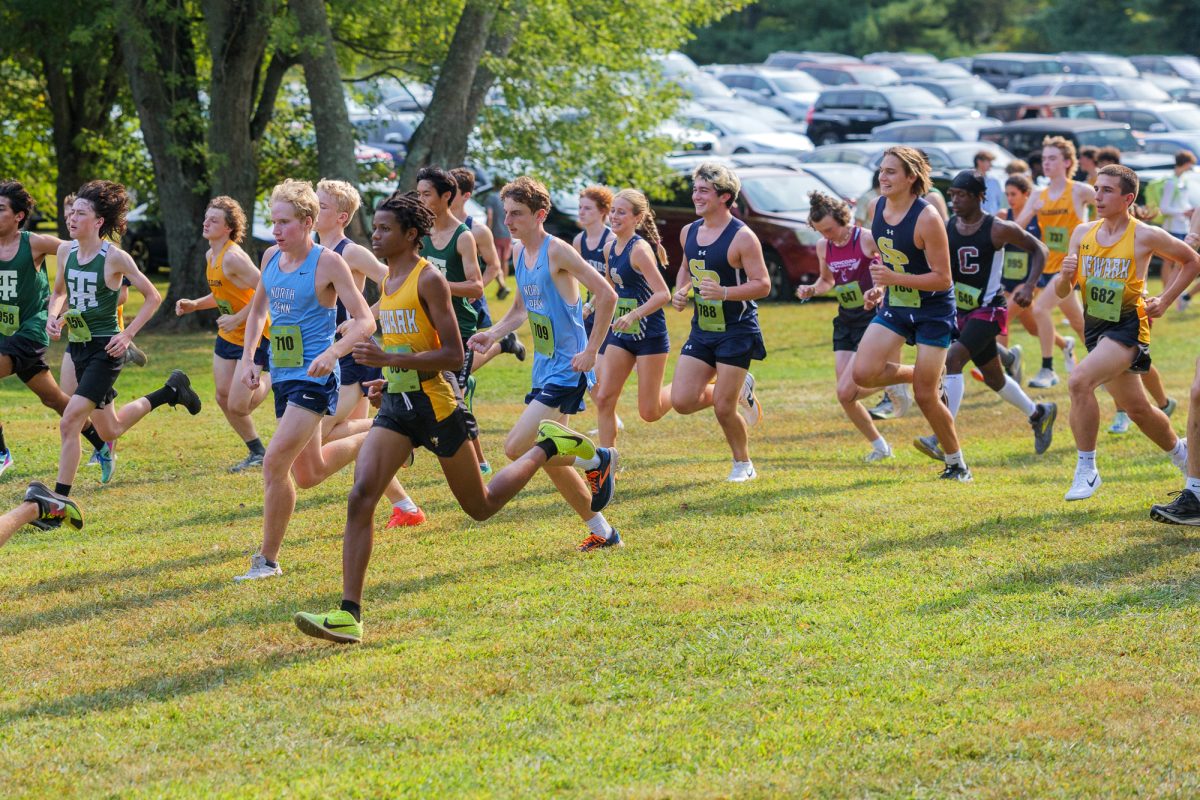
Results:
24 293
85 302
1059 208
232 277
1110 258
300 284
419 408
723 265
549 272
43 509
918 307
977 241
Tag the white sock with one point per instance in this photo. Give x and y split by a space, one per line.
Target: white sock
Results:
406 505
599 526
587 463
954 386
1178 453
1013 393
1192 485
955 459
1087 460
881 445
737 463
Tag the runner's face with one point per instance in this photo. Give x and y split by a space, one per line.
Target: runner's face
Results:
1053 163
83 220
705 197
289 228
894 181
621 218
214 224
963 203
9 221
520 220
830 228
428 196
329 218
589 213
1016 198
388 238
1110 203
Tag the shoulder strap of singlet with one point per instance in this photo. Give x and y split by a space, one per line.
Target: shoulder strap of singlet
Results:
340 246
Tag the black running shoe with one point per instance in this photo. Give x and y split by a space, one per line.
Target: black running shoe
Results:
1183 510
953 472
53 508
184 394
600 479
511 344
1043 427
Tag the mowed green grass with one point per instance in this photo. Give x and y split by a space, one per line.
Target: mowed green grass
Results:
832 629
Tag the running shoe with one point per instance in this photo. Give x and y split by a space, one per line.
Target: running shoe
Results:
1084 484
594 542
503 291
1183 303
748 405
877 455
566 441
1068 351
405 519
469 394
930 447
53 508
106 457
511 344
601 479
742 472
336 626
251 461
259 569
884 409
1013 367
485 468
976 374
1043 426
1044 379
956 472
136 356
1120 423
902 399
1168 409
184 394
1183 510
6 460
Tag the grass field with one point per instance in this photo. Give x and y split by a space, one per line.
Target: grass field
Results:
833 629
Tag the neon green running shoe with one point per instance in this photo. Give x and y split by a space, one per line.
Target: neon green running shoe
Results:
566 441
336 626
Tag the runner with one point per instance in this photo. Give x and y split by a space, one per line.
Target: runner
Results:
339 202
298 290
24 293
548 296
595 203
1110 258
232 277
419 408
1058 208
844 254
1179 199
43 509
494 207
84 300
638 336
913 293
723 266
977 241
1016 263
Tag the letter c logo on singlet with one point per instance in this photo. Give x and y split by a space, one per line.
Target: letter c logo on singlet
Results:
895 259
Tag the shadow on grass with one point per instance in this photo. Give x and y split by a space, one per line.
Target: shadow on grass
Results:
82 580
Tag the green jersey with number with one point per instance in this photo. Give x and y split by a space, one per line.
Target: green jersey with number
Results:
450 263
24 292
88 294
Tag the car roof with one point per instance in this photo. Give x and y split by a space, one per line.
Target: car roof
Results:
1017 56
1058 124
1143 105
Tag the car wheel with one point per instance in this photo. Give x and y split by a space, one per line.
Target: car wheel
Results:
740 151
828 138
139 251
781 285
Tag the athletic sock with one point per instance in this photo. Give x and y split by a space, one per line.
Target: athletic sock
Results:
955 459
406 505
255 446
548 447
89 433
1013 393
1178 453
954 386
62 488
880 445
1192 485
599 526
3 446
354 608
1087 460
269 563
161 396
587 463
1048 363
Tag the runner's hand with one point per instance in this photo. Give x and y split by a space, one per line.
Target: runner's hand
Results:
680 298
184 306
322 365
806 291
369 354
711 290
1069 265
249 375
587 310
54 327
481 342
1155 307
227 323
873 297
626 323
1023 295
882 276
118 344
583 361
375 390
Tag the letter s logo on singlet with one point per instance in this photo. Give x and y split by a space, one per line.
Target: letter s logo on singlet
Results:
8 285
895 259
83 290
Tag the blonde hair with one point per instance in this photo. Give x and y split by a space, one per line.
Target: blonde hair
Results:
235 217
915 165
645 226
602 196
344 195
300 195
1067 148
721 178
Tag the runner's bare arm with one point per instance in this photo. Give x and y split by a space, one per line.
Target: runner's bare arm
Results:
333 269
485 243
361 260
1168 248
256 320
42 245
604 297
434 293
1067 276
683 280
1085 195
1007 233
746 253
58 296
1029 211
824 281
514 318
472 287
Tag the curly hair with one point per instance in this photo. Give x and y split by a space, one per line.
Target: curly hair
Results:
645 220
345 197
300 195
821 205
528 192
1020 183
464 178
602 196
443 182
915 164
409 212
110 202
1067 148
235 217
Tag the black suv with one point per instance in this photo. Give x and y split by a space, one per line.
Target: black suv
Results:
851 113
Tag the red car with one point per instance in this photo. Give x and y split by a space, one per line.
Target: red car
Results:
774 203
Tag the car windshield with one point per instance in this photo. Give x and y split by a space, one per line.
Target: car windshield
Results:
800 82
944 71
1042 67
1186 67
875 76
957 89
1184 118
912 98
1140 90
701 85
736 124
963 157
781 194
848 180
1077 111
1120 138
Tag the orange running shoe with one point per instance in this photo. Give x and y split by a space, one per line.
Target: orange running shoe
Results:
403 519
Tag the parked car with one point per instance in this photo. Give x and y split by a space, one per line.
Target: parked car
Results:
947 89
1001 69
928 130
387 131
689 140
981 102
1036 85
704 89
859 153
832 74
936 69
1171 143
774 204
1025 136
675 64
850 181
1098 64
789 59
790 91
891 59
738 133
1020 107
853 112
1154 117
1186 67
1110 89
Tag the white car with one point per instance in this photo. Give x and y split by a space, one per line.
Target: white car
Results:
738 133
689 139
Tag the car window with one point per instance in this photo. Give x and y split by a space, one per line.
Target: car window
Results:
1183 118
852 99
1120 138
778 194
874 100
1117 115
1142 120
942 133
759 84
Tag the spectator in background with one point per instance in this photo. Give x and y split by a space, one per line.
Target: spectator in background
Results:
994 193
1087 165
1019 166
1179 199
1035 166
1107 155
495 222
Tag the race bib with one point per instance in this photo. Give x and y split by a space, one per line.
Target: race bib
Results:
401 380
1057 238
225 307
849 295
77 327
287 346
903 297
10 320
626 305
711 313
1103 298
543 334
966 297
1016 265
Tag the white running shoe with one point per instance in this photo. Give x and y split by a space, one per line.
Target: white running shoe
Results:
1120 423
902 399
1044 379
1180 461
877 455
1068 352
748 405
1084 485
259 569
742 472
